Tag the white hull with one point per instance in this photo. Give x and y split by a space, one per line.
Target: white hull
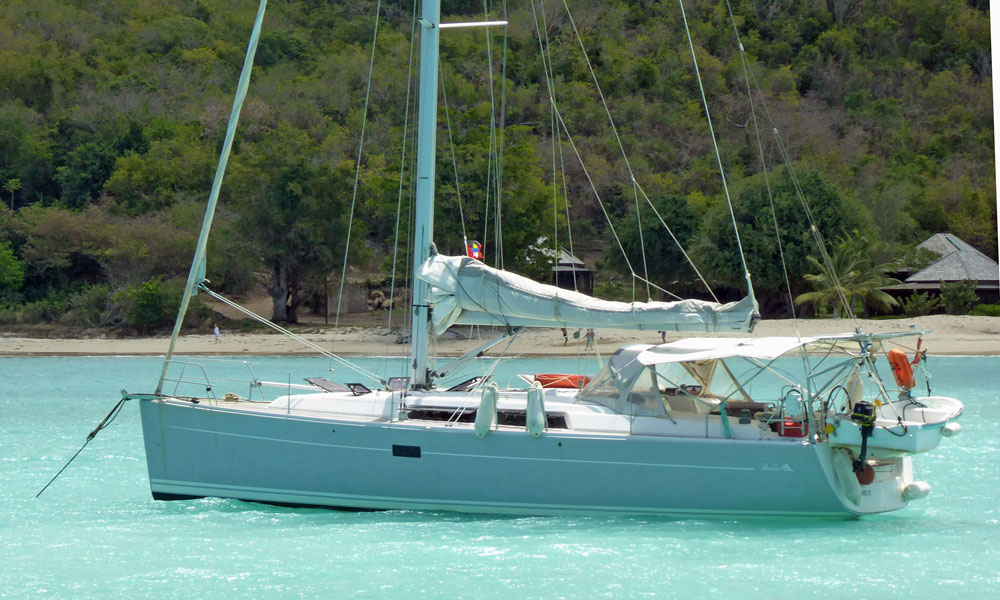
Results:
265 453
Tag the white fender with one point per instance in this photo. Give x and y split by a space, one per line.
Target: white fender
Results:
535 419
916 490
486 416
951 429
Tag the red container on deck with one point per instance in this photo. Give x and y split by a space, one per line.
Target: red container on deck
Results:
786 428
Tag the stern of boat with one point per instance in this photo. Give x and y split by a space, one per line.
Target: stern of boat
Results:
885 485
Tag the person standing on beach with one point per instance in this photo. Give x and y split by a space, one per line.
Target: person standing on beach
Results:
565 336
590 339
215 330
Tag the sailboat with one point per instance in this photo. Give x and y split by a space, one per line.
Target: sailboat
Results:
691 427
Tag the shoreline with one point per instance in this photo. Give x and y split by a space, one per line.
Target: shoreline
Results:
948 335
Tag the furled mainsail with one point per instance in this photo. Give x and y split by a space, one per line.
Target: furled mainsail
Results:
465 291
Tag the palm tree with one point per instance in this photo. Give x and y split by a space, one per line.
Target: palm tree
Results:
851 281
12 186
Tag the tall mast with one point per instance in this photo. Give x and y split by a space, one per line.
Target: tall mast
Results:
423 230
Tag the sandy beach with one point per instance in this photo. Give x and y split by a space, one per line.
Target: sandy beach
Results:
949 335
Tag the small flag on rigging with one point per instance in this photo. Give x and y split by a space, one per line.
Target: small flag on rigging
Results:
474 249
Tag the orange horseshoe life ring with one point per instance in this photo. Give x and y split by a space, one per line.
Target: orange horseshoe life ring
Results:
558 380
901 369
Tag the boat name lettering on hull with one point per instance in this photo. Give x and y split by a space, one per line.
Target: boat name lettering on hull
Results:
775 468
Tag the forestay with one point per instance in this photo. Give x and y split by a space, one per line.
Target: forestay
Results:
466 291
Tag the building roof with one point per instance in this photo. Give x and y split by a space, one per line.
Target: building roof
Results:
565 259
959 261
946 243
566 262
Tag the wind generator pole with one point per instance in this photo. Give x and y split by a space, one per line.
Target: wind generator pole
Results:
423 230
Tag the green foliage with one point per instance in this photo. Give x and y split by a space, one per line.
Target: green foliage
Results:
915 259
718 249
280 46
177 162
115 115
11 186
198 315
664 259
986 310
87 167
851 280
25 151
92 306
11 271
291 211
149 306
63 251
919 304
48 310
958 297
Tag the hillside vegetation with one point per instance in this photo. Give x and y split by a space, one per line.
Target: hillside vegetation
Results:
112 114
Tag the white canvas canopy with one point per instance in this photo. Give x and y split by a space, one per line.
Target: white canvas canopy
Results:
698 349
465 291
764 348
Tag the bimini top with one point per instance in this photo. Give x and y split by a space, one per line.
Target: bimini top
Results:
765 348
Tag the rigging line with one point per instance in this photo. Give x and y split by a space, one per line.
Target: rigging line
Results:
607 217
600 93
657 287
402 169
454 161
408 315
678 243
817 235
798 190
569 224
557 141
491 152
642 243
763 166
294 336
555 192
198 262
486 214
108 419
786 159
496 131
357 173
621 147
503 132
497 359
549 84
813 229
715 145
410 220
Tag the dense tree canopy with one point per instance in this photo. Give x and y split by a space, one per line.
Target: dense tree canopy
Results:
112 115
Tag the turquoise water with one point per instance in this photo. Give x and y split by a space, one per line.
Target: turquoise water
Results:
96 533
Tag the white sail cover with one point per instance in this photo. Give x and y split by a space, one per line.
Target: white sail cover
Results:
465 291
